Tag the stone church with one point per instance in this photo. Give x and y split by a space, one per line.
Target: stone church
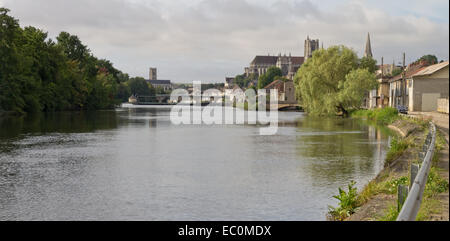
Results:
287 63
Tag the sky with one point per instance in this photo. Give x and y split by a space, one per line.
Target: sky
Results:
208 40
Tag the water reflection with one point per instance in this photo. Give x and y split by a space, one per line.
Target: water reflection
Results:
133 164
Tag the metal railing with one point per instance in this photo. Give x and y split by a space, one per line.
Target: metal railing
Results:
411 205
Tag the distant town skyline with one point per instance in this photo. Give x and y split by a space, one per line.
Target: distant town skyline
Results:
211 39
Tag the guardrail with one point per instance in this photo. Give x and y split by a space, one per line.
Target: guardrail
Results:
410 206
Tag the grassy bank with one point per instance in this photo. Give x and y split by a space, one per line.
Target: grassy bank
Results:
383 189
383 116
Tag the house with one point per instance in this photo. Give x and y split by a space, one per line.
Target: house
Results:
427 86
286 91
379 98
229 81
399 85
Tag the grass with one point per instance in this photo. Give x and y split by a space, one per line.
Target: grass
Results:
351 200
387 183
430 203
391 214
384 116
397 148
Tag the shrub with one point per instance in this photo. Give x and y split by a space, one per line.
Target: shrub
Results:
348 202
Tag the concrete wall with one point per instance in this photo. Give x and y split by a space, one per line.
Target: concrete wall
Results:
442 105
426 92
289 90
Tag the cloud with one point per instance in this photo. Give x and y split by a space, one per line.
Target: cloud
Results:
210 39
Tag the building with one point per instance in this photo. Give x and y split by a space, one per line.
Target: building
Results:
427 86
152 74
368 48
310 47
288 64
286 91
399 85
379 98
156 83
164 84
229 81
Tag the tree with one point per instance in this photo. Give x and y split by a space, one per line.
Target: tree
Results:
38 74
11 65
138 86
353 90
368 63
428 59
397 71
269 76
72 46
333 81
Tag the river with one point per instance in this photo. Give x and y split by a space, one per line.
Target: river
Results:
133 164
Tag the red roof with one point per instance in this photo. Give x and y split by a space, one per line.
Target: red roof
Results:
410 71
432 69
276 84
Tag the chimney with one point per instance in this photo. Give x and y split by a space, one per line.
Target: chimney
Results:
382 67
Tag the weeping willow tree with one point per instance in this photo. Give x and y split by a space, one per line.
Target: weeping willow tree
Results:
334 81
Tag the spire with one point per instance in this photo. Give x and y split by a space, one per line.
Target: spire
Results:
368 50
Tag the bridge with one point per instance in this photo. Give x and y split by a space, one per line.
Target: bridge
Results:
286 105
164 100
152 100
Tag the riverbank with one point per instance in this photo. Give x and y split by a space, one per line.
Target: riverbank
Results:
378 199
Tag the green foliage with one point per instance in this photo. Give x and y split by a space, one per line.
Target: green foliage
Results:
348 202
398 146
333 81
368 63
428 59
351 95
435 183
38 74
382 116
269 77
138 86
391 214
390 186
397 71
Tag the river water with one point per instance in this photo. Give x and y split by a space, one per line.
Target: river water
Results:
133 164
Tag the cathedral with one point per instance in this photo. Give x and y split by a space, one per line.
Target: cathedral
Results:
287 63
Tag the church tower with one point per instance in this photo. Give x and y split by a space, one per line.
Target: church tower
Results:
310 46
368 50
152 74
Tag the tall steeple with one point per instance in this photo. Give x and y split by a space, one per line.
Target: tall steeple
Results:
368 50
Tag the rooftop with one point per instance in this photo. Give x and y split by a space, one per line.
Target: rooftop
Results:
159 82
272 60
410 71
431 69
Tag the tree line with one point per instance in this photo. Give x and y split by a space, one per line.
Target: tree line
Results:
40 74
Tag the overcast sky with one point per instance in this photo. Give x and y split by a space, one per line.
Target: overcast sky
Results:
208 40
